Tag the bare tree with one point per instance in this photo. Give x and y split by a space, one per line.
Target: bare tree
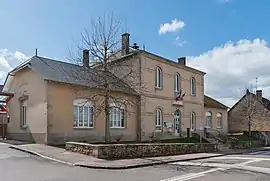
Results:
253 111
110 68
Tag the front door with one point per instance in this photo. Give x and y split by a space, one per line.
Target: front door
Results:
177 123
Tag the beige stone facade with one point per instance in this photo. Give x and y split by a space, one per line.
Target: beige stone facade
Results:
49 105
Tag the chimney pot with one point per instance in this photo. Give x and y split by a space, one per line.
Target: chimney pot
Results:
86 58
182 60
259 93
125 44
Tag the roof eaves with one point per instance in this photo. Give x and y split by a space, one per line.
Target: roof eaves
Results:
173 62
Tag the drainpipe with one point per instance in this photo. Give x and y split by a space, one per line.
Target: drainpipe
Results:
139 129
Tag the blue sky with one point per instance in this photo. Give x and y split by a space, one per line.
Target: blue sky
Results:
212 32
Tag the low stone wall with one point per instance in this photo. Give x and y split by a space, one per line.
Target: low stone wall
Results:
244 144
122 151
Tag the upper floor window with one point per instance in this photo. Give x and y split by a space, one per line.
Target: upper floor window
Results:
83 114
177 83
158 83
219 120
159 119
23 113
193 86
117 116
208 116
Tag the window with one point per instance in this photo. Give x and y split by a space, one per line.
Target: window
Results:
193 121
23 113
177 83
83 114
159 117
117 116
208 119
219 120
193 86
158 77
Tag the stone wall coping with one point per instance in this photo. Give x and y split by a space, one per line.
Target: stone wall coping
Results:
136 144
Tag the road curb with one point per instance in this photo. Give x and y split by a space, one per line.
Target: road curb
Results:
40 155
142 165
155 162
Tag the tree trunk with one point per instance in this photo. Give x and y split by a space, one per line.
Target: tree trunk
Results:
249 130
107 119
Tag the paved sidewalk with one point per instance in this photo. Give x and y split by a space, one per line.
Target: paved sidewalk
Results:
76 159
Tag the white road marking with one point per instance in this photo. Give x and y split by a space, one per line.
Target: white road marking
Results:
242 166
192 175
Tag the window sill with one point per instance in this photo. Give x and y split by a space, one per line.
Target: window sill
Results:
83 127
24 127
219 127
117 127
159 131
158 88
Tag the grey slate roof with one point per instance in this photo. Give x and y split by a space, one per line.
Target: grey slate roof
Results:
64 72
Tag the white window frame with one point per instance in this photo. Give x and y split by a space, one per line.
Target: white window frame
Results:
84 118
23 113
117 116
158 83
208 117
193 86
193 120
219 120
158 120
177 83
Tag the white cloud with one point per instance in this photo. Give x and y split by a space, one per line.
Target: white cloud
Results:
233 67
8 61
171 27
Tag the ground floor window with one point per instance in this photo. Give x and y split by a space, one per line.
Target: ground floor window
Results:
158 122
208 119
83 114
117 116
193 121
219 120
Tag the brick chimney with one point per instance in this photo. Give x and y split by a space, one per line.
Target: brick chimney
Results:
259 93
86 58
182 60
125 44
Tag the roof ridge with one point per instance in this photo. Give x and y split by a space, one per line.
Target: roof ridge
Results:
59 61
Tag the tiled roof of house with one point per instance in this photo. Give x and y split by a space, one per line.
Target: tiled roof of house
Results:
210 102
64 72
264 101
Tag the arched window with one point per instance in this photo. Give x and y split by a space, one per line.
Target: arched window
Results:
159 119
208 116
117 116
193 121
219 120
158 83
192 86
83 114
177 83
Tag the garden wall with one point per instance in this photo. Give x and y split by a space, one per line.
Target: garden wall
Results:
122 151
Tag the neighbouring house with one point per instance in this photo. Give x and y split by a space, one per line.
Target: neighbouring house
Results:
251 112
48 95
216 115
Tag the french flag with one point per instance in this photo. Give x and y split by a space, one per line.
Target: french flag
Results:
3 108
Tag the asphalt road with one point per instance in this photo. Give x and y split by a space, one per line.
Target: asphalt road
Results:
19 166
